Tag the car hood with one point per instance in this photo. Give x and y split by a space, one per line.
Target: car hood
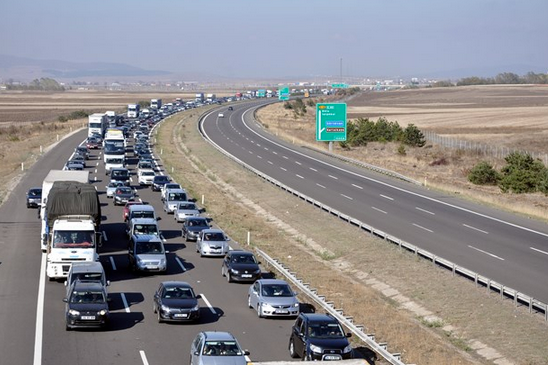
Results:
151 256
180 303
215 243
330 343
280 300
195 228
87 307
248 267
223 360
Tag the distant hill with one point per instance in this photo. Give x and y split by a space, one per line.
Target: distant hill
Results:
26 69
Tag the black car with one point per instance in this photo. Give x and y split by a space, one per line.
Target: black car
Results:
240 266
34 196
86 305
158 182
319 337
122 195
175 301
192 226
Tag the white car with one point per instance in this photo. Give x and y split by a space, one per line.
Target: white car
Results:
166 187
146 177
221 115
186 209
111 188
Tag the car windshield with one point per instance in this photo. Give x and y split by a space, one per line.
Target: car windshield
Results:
161 179
120 173
177 196
178 293
147 173
87 276
277 290
325 330
35 192
244 259
197 223
73 239
87 297
149 248
186 206
146 229
172 186
124 191
143 214
214 236
221 348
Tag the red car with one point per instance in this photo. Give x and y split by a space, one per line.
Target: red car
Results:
126 208
92 143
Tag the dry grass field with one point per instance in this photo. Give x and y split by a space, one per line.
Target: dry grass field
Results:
505 116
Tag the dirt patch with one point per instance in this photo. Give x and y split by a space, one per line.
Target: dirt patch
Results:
377 284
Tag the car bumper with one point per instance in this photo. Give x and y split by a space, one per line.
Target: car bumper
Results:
85 321
326 356
215 253
279 312
33 203
244 277
183 316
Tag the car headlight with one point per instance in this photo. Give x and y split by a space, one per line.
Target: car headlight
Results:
73 312
296 304
138 259
162 262
102 312
164 308
347 349
234 271
316 349
195 308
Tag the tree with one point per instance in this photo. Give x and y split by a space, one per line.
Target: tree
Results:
483 174
412 136
522 174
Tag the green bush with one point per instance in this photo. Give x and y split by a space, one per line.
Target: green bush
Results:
483 174
412 136
522 174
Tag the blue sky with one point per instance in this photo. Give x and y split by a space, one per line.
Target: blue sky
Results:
254 38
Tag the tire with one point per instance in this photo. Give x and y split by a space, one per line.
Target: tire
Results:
292 352
153 308
228 277
222 271
259 311
159 317
67 327
249 302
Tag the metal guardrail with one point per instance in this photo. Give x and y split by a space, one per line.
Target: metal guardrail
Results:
381 349
534 305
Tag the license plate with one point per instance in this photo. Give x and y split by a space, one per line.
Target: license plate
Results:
281 311
88 318
181 315
246 275
152 267
332 357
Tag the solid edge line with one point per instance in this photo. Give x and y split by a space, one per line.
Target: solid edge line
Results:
40 314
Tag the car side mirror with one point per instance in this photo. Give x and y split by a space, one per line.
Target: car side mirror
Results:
108 282
65 300
196 353
66 283
158 218
167 251
199 296
247 353
349 334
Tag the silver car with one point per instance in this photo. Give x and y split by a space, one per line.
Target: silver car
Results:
186 209
112 186
212 242
216 348
273 298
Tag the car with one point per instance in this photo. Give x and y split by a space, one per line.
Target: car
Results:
112 186
34 197
167 186
125 213
212 242
221 115
121 175
74 165
239 265
93 143
158 182
91 271
175 301
146 253
184 210
145 177
144 165
216 347
114 163
79 158
173 198
230 108
86 305
82 150
192 226
142 210
273 298
316 336
142 226
123 194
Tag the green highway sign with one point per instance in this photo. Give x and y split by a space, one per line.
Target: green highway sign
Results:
339 86
331 122
261 93
283 93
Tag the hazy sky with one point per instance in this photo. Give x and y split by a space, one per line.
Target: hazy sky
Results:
256 38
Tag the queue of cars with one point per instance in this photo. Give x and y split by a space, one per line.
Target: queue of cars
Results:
86 301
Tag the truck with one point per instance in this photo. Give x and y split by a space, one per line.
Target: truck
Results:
97 124
211 97
133 110
199 97
155 103
71 218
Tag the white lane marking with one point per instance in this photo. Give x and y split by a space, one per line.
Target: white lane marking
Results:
487 253
208 304
536 249
105 238
126 306
259 156
387 197
287 158
250 152
299 176
131 179
379 210
475 229
321 186
392 186
180 264
313 169
247 359
283 168
112 263
298 163
333 177
95 171
357 186
39 328
96 164
421 227
347 197
425 211
274 152
270 162
143 357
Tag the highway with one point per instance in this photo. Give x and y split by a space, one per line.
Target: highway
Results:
510 249
34 333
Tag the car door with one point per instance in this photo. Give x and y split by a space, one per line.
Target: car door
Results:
196 350
299 338
254 295
158 296
226 268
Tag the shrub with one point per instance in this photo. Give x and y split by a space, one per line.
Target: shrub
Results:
522 174
483 174
401 150
413 136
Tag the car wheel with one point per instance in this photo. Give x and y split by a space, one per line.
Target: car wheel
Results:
159 317
228 277
222 271
249 302
67 327
153 308
259 311
292 351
